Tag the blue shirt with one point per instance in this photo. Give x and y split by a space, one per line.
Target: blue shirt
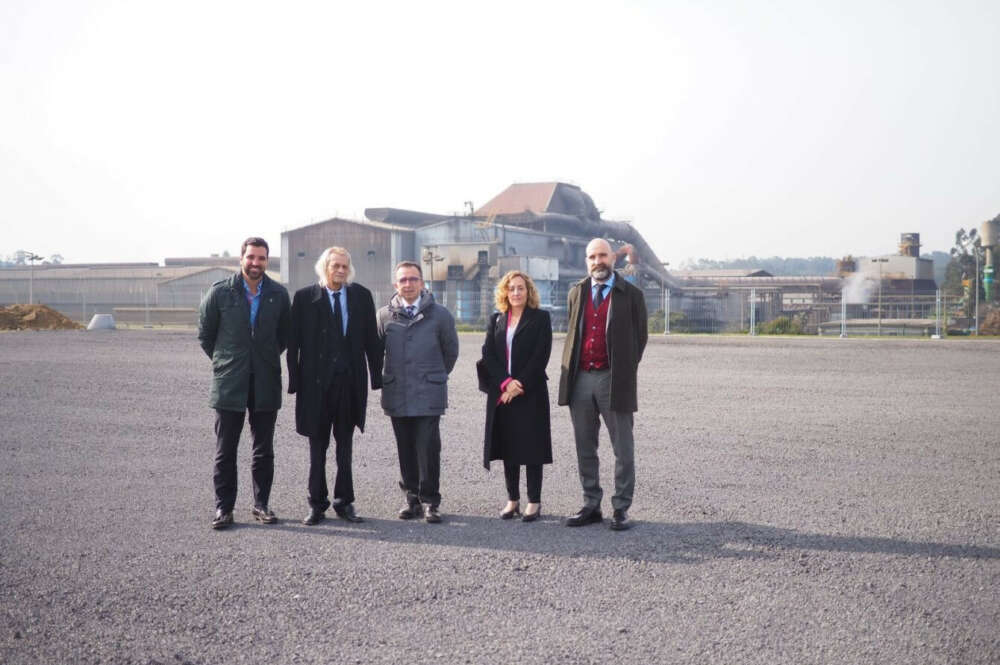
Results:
343 305
596 285
254 301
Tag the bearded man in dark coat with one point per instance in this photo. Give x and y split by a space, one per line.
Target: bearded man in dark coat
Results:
605 337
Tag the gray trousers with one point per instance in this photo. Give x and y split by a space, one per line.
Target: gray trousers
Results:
588 403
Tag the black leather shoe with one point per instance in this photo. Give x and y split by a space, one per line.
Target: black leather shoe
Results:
509 514
315 516
346 512
411 511
264 514
531 517
619 521
431 514
585 516
222 519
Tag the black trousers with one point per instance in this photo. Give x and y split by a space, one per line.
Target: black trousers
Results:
533 476
228 427
336 415
418 442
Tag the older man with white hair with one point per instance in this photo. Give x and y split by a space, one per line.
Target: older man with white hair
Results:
333 332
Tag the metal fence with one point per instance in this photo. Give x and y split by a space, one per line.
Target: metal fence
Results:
766 311
745 311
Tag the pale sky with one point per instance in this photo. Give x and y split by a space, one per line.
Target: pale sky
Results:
132 131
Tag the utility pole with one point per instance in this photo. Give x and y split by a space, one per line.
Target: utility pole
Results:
880 261
666 303
31 258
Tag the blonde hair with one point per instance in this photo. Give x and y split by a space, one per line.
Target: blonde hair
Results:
503 288
324 263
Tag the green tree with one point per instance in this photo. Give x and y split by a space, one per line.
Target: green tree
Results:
962 265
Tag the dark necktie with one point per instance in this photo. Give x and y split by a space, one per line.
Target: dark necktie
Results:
599 298
338 316
411 310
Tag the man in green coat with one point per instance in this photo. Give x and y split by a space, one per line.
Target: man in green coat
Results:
244 325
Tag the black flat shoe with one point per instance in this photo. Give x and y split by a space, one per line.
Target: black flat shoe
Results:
315 516
431 514
223 519
346 512
264 514
531 517
619 521
411 511
510 514
585 516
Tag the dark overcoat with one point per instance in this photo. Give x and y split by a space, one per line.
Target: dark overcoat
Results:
311 319
626 332
526 423
239 351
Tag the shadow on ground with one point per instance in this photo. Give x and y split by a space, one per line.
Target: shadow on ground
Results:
651 542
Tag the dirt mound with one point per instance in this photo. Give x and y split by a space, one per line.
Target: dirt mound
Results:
991 324
34 317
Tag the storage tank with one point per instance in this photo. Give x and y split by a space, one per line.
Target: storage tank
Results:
909 244
988 233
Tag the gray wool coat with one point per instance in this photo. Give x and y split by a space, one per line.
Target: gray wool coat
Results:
419 354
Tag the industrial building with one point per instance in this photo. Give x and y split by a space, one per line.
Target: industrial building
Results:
539 228
543 229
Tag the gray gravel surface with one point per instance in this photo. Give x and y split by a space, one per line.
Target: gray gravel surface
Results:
798 501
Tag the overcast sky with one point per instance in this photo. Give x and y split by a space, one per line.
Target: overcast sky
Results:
132 131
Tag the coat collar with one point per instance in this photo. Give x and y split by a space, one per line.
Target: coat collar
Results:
585 283
319 292
527 317
236 283
398 306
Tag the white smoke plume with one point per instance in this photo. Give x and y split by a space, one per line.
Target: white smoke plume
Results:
857 289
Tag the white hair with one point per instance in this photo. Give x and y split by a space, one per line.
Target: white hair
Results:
324 260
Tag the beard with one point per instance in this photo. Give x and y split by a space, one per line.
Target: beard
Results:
600 273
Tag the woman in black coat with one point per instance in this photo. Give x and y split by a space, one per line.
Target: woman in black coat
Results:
516 351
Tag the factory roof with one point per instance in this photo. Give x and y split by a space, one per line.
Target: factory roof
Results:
719 274
360 222
154 272
521 196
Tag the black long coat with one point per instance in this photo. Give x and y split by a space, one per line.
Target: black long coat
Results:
311 317
526 417
627 333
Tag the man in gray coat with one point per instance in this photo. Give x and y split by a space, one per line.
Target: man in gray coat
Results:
243 326
605 337
421 347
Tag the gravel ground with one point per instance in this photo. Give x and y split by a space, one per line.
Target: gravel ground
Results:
798 501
